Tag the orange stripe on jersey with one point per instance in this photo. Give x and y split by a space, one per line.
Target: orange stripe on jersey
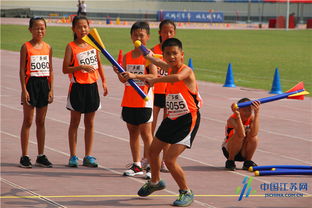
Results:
38 61
131 98
229 130
159 88
84 56
180 100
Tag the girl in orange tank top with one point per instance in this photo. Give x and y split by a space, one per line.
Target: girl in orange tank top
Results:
82 64
36 77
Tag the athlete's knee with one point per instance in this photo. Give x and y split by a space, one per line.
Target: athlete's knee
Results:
27 123
251 138
88 125
170 162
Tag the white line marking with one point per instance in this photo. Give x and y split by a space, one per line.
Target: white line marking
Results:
43 198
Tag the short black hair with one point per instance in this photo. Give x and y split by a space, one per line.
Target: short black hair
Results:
140 25
171 42
243 100
35 18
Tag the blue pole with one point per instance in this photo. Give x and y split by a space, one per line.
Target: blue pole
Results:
269 167
269 99
283 172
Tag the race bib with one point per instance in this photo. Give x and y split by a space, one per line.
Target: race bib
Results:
136 69
39 66
176 105
88 58
161 72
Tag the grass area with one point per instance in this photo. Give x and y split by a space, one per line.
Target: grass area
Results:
254 54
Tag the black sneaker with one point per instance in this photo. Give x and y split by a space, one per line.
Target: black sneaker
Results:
230 165
248 164
25 162
43 161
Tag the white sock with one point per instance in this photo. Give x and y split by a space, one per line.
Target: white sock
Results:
138 164
154 184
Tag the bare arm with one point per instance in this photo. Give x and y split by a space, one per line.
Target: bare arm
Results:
22 72
152 74
51 77
254 125
67 69
102 74
120 77
237 122
184 74
157 61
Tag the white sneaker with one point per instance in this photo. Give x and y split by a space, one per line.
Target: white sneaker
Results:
133 170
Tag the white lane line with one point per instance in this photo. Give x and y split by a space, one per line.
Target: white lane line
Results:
203 117
103 167
123 139
43 198
140 181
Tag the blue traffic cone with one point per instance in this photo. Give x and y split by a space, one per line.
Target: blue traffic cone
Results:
229 82
276 85
190 63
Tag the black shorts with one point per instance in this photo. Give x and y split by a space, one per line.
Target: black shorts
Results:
179 130
83 98
38 90
238 157
137 116
160 100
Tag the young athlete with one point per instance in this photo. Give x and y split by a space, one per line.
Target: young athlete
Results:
241 132
136 112
82 64
36 77
181 124
167 29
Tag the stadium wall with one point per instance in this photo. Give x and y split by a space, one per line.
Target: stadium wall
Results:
147 9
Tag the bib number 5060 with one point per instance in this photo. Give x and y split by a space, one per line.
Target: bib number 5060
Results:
39 65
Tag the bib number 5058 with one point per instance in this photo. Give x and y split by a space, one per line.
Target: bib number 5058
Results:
88 60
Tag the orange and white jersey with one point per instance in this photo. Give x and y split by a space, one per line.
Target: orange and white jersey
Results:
180 100
84 56
131 98
159 88
38 61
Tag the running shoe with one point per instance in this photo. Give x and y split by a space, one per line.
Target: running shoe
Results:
73 162
148 188
89 161
148 174
185 199
43 161
25 162
133 170
249 163
230 165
